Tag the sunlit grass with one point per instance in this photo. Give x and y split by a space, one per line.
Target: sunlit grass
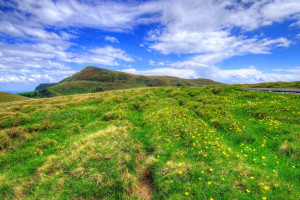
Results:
208 143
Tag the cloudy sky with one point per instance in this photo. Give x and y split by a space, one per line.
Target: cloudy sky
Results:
232 41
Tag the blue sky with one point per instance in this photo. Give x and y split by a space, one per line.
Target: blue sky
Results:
232 41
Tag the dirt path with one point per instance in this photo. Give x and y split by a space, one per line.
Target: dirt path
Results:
145 180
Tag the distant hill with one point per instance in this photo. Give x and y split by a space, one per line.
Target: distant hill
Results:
94 79
7 97
294 84
43 86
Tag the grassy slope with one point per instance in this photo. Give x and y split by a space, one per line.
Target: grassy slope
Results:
7 97
220 143
91 77
294 84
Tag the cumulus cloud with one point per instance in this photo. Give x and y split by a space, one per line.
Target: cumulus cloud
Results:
194 27
203 30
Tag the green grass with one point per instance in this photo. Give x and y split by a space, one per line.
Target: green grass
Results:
7 97
293 84
170 142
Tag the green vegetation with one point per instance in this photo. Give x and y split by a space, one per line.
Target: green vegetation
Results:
7 97
294 84
152 143
43 86
43 93
91 78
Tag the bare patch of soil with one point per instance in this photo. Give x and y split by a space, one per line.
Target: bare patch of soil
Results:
145 181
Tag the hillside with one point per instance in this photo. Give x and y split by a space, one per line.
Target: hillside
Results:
152 143
93 79
294 84
7 97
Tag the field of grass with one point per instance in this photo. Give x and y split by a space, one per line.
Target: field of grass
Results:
7 97
293 84
152 143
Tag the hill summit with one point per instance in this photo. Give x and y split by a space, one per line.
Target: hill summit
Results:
94 79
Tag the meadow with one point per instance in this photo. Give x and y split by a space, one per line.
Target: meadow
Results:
152 143
7 97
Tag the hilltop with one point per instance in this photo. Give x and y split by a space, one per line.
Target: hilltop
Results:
152 143
94 79
7 97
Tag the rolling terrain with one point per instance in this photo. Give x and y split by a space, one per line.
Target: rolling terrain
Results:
7 97
294 84
94 79
152 143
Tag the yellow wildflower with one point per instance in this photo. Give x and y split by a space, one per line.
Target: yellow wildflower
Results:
209 183
266 188
186 193
248 191
180 172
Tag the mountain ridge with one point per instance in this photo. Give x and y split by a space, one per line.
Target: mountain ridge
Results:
95 79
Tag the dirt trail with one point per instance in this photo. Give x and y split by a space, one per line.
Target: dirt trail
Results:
145 180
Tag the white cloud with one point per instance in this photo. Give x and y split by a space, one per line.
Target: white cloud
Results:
244 75
153 63
107 55
253 75
203 28
108 15
280 9
193 27
167 71
291 70
18 62
111 39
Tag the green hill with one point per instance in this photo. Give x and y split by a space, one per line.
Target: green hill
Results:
152 143
7 97
294 84
94 79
